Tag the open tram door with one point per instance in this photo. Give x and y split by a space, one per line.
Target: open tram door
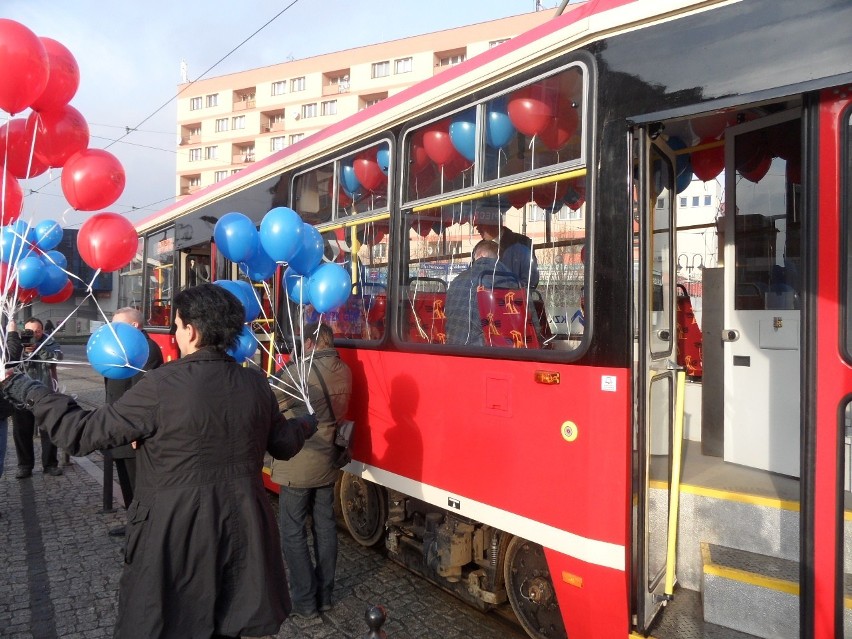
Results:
655 380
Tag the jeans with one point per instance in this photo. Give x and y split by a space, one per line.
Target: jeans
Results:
23 429
4 434
310 585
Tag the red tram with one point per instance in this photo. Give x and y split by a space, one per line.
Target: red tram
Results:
563 469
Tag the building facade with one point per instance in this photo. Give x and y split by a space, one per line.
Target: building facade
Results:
225 123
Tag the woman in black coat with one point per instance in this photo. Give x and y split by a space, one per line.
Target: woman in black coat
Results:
203 556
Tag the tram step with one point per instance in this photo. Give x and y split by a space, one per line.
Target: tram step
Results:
751 593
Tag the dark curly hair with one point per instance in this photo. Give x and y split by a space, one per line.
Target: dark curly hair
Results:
215 313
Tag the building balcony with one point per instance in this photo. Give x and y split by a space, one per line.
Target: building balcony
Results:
190 139
243 105
189 190
242 158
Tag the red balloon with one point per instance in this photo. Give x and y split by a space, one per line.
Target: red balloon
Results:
27 295
576 195
531 109
92 179
418 159
17 150
62 296
439 147
561 128
707 164
368 172
12 198
757 171
711 127
519 199
63 77
24 64
59 134
550 195
455 167
107 241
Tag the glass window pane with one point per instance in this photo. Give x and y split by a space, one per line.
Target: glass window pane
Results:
659 326
363 181
160 277
130 281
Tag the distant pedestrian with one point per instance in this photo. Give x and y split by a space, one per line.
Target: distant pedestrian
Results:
124 456
307 480
202 555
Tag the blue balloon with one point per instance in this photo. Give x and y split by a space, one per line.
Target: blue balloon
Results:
684 179
117 350
48 235
260 267
54 281
681 161
236 237
31 272
296 286
245 347
499 129
12 245
383 158
244 292
57 258
329 287
463 134
281 233
310 254
348 181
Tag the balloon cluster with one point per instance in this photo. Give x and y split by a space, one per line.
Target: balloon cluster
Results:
284 239
365 173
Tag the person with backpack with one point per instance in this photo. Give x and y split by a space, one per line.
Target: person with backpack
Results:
307 479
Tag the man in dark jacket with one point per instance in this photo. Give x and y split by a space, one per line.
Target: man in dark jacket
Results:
39 353
124 456
202 556
464 324
515 249
307 480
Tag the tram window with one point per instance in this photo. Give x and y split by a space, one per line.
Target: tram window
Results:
363 315
159 271
363 181
130 281
197 269
312 194
846 214
535 126
542 304
846 429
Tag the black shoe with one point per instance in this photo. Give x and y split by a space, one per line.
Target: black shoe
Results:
53 471
118 531
303 614
23 473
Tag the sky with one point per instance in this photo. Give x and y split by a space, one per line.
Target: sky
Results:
129 54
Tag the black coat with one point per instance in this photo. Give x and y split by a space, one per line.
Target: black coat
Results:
115 388
203 553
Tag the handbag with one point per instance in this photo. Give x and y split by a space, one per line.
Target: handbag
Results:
343 429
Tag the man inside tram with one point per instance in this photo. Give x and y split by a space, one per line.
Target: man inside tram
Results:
515 249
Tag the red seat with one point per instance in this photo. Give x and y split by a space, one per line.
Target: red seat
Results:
689 336
426 318
507 319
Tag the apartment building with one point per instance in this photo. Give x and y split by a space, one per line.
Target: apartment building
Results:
225 123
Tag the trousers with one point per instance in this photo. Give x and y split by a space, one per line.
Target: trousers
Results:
23 429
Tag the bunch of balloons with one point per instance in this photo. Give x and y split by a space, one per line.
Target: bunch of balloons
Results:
365 173
284 239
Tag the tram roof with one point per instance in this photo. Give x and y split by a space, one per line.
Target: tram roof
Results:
582 24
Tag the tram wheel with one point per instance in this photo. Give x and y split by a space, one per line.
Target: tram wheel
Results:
530 590
365 509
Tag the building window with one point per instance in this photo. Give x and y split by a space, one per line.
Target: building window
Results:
329 108
296 137
536 214
213 100
494 43
195 104
210 152
566 214
279 88
194 155
403 65
380 69
683 201
694 200
309 110
218 176
371 101
661 202
195 181
238 122
221 125
297 84
452 60
235 171
276 144
708 200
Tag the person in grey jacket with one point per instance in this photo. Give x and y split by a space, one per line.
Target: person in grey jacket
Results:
39 354
307 480
202 555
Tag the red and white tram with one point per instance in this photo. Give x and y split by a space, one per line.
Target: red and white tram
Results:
563 469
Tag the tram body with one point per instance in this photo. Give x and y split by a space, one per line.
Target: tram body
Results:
545 478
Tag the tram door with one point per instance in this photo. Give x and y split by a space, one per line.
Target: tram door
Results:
657 335
762 256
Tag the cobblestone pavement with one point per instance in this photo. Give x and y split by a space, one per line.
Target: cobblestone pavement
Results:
59 569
